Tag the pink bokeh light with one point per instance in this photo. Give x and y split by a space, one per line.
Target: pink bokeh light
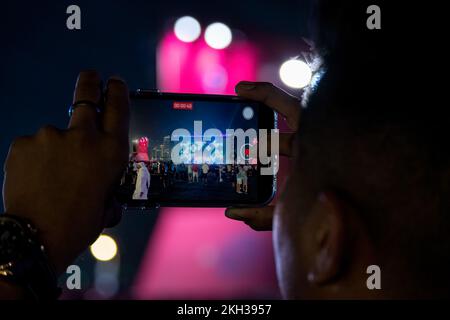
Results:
197 68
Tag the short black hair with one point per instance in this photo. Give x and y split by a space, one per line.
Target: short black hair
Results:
374 136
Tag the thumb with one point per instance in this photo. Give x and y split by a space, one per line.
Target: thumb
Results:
259 219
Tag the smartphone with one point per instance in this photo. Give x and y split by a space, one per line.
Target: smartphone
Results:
195 150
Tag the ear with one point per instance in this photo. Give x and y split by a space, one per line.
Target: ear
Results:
328 239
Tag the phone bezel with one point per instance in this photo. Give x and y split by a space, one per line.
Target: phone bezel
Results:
267 119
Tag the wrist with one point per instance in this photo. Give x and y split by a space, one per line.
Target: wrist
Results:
53 258
23 260
11 291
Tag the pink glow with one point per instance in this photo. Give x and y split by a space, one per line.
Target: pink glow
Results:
199 253
197 68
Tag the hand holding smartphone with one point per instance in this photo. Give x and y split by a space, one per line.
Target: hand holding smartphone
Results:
197 150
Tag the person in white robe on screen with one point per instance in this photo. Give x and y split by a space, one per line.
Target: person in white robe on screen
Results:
142 182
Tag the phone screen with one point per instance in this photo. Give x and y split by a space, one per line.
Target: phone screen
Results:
186 150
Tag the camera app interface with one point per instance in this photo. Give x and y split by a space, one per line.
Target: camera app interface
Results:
197 150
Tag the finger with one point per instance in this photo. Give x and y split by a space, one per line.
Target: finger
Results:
116 115
15 148
275 98
87 88
259 219
285 143
113 213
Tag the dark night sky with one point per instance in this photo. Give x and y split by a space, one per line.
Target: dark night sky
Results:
40 57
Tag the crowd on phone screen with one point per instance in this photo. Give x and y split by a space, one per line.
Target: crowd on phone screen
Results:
140 175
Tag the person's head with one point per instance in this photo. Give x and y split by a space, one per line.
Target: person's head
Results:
141 165
371 186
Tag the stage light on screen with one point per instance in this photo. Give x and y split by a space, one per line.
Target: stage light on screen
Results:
218 35
295 73
104 248
187 29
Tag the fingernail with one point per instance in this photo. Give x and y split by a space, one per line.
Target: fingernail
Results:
230 214
246 85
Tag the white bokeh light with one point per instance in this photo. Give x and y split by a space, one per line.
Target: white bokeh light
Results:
187 29
247 113
218 35
295 73
104 248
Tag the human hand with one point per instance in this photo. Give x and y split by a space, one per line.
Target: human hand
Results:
63 180
260 219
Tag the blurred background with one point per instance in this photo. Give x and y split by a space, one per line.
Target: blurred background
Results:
176 46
